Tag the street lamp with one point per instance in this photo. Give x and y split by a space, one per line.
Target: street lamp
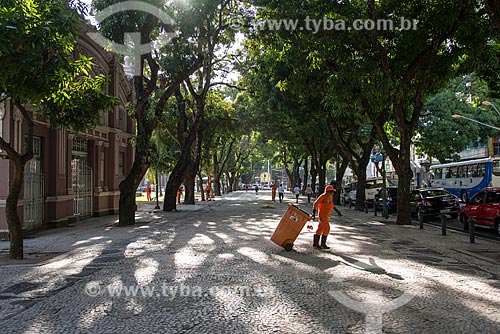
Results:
488 103
473 120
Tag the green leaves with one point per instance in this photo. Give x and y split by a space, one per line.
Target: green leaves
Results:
39 66
442 136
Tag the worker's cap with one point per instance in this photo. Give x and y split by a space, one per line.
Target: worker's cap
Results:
330 188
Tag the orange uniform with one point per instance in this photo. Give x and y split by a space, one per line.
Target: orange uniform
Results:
274 187
325 205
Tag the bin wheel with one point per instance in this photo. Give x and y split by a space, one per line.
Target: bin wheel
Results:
288 247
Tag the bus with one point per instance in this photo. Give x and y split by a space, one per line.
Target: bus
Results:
373 184
465 178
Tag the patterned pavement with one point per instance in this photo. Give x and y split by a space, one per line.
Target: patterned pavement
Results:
211 268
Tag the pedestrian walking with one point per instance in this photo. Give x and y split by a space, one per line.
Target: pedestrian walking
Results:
274 187
324 205
296 192
256 188
179 194
281 192
148 192
309 192
208 192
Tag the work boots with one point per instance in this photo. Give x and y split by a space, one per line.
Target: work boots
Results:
316 241
323 242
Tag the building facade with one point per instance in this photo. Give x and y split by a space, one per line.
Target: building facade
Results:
72 175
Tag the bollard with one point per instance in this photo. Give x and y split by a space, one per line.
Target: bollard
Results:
472 225
366 207
386 212
443 222
374 209
420 219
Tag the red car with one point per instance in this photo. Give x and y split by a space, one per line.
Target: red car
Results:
484 207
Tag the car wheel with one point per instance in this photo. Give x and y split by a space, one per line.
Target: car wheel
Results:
464 197
465 222
497 227
454 215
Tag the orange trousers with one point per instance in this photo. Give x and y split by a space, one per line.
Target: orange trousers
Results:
324 226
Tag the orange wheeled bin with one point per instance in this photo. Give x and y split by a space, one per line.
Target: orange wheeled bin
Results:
291 224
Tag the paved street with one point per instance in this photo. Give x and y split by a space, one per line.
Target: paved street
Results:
211 268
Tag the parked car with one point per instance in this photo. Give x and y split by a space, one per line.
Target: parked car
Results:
484 207
430 202
392 199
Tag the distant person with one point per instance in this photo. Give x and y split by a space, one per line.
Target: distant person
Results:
324 205
309 193
256 188
281 192
208 192
296 192
274 187
246 188
179 195
148 192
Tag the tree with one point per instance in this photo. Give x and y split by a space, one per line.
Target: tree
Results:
393 82
213 38
40 73
160 75
440 135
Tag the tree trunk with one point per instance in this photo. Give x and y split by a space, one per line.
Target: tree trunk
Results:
186 138
405 176
200 185
339 176
192 169
360 189
314 174
306 175
189 182
232 182
322 177
217 176
11 213
127 204
174 182
15 186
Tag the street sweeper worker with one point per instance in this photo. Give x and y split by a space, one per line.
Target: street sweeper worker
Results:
324 205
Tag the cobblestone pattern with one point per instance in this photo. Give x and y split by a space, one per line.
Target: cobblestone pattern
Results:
214 270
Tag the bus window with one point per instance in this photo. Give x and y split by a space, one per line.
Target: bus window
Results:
496 167
470 170
481 171
438 173
474 170
452 172
462 171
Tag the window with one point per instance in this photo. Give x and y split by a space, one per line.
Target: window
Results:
415 197
481 170
462 171
448 173
491 198
477 199
496 147
470 170
496 167
438 173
